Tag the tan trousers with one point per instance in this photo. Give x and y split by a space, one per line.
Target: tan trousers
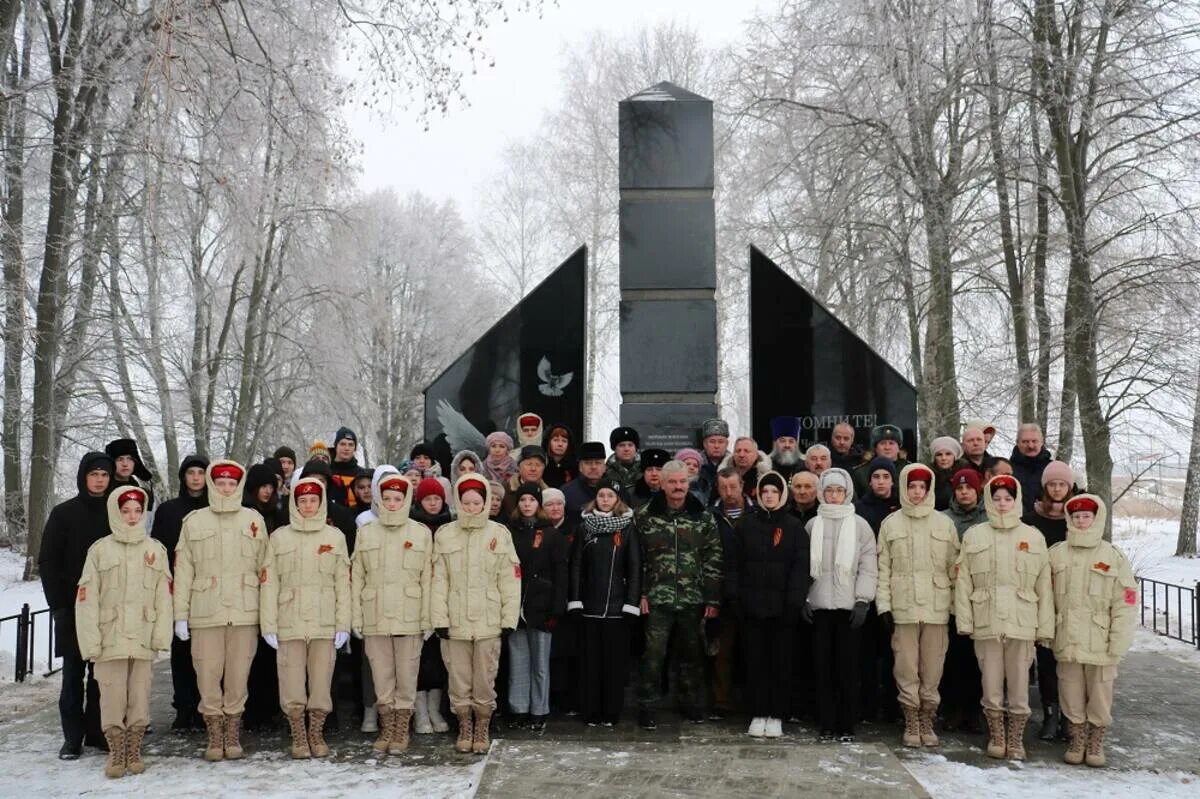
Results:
395 660
1003 661
920 654
472 667
222 656
1084 691
300 662
124 693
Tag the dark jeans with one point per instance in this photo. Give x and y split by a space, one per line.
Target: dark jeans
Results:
835 659
767 647
1047 674
80 719
605 665
879 692
262 702
186 696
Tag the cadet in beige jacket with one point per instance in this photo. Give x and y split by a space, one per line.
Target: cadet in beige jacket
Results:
1095 602
306 612
390 587
1004 601
122 619
918 548
220 553
476 599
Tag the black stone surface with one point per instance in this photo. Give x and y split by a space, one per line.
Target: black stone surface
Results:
669 346
666 139
667 426
668 243
804 362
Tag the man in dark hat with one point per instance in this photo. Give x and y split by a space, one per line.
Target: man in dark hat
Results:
582 489
531 465
650 483
344 469
714 438
129 470
886 441
785 451
624 466
424 458
71 528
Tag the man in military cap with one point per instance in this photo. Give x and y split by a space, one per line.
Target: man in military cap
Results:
624 465
886 441
650 483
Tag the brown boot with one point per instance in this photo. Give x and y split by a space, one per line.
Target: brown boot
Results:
1077 734
387 728
400 719
466 731
481 741
996 745
233 737
316 733
925 723
1095 746
1016 735
912 731
133 750
115 767
215 725
300 749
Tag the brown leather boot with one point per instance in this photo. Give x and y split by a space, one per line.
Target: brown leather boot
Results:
316 733
215 725
133 750
925 719
996 746
1077 735
1095 746
387 728
1016 736
912 731
233 737
466 731
400 721
481 741
115 767
300 749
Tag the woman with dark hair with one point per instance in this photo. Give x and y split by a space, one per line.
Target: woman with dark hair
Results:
561 467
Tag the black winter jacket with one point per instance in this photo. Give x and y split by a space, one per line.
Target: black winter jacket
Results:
606 567
168 520
577 493
875 509
770 576
727 528
1054 530
542 551
1028 472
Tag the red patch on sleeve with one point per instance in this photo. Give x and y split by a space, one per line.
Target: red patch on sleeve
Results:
492 546
1101 566
408 544
1130 596
777 536
254 529
321 550
517 570
81 596
1023 546
617 538
262 576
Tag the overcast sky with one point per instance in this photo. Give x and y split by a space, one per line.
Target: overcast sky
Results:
459 151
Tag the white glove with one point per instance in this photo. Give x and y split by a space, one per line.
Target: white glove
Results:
340 640
428 634
272 640
181 631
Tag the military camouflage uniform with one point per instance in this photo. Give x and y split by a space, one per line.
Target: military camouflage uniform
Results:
681 574
626 475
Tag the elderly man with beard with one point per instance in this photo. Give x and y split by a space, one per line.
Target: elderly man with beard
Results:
785 451
817 459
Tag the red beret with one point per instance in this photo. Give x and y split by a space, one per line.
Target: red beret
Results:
1003 481
135 494
229 471
308 490
529 420
470 484
967 477
1077 504
394 483
921 475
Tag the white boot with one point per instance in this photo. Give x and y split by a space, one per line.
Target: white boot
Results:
370 720
421 714
774 728
434 705
758 727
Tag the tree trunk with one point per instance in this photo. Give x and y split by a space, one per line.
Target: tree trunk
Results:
1186 544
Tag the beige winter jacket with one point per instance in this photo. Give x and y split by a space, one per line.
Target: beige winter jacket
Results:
476 574
1095 596
1003 587
918 548
123 602
306 580
391 571
220 553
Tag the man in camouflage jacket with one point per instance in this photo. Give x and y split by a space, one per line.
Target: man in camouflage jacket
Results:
681 579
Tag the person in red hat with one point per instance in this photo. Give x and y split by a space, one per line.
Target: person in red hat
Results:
917 550
961 686
1004 601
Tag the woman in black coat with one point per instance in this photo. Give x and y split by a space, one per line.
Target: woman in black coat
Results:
770 580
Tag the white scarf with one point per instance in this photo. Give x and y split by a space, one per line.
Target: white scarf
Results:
840 521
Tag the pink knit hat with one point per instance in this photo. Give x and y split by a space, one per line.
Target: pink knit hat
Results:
1057 470
688 452
500 435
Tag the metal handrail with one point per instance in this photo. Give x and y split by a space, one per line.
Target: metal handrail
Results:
26 638
1189 634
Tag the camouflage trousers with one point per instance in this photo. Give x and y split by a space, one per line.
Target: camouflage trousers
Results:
682 627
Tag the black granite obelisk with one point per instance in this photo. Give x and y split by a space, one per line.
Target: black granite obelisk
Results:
668 265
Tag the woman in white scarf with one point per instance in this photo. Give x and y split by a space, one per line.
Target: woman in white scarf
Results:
844 568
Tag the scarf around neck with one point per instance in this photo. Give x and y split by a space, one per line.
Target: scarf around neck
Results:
837 520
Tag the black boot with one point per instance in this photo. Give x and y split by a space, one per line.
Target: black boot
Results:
1050 721
182 722
71 750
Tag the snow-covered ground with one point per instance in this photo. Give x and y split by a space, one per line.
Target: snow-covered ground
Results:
14 592
947 778
1150 546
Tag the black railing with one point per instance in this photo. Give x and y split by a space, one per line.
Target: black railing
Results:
26 638
1173 609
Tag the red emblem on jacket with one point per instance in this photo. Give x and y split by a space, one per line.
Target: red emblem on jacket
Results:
321 550
82 595
537 539
149 557
1101 566
408 544
517 570
492 545
1130 596
617 538
777 536
1023 546
254 529
262 576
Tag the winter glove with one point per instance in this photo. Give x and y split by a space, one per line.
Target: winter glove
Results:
443 633
272 640
358 634
858 616
340 639
181 631
806 613
425 636
889 624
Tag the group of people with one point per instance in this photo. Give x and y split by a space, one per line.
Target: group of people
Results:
833 583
